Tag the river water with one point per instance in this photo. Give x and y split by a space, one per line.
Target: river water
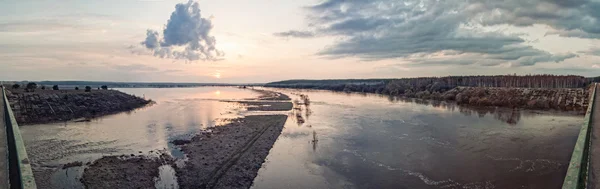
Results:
346 141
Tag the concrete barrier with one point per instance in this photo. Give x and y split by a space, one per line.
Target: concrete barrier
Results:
20 174
577 174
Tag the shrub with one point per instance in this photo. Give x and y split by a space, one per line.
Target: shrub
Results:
76 88
462 98
450 96
422 94
88 88
55 87
473 100
484 101
16 86
30 87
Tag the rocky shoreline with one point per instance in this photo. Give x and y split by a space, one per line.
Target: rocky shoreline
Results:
46 106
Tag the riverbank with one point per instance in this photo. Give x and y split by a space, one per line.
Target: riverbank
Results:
47 106
563 99
570 99
538 92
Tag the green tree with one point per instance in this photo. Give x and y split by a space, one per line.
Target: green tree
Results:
104 87
16 86
88 88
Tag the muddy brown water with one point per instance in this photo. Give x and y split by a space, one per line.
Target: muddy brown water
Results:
345 141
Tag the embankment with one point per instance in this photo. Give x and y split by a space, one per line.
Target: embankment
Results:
45 106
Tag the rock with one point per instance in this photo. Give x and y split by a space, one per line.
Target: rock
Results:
180 142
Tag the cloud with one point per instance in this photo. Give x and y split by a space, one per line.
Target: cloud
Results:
531 60
295 33
135 68
151 41
594 51
569 17
386 29
185 36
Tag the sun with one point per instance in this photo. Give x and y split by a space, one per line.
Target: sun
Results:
217 75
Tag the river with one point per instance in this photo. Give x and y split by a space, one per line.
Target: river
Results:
347 141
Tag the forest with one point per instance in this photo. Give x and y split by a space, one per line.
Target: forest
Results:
528 91
438 84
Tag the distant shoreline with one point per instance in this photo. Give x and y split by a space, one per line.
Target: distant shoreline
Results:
535 92
96 84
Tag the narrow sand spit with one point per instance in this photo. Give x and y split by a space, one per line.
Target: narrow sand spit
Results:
231 155
270 95
267 101
266 106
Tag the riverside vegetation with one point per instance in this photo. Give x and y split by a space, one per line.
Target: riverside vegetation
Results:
531 91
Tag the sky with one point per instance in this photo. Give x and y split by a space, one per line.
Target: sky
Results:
242 41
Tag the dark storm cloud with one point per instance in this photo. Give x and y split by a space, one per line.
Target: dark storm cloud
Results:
563 15
383 29
186 30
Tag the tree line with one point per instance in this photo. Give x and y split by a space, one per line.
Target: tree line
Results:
437 84
31 87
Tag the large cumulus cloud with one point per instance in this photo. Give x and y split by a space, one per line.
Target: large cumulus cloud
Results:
382 29
185 36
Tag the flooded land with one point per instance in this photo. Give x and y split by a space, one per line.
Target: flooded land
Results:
227 137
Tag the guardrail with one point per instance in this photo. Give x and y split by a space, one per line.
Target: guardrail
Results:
577 174
19 173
